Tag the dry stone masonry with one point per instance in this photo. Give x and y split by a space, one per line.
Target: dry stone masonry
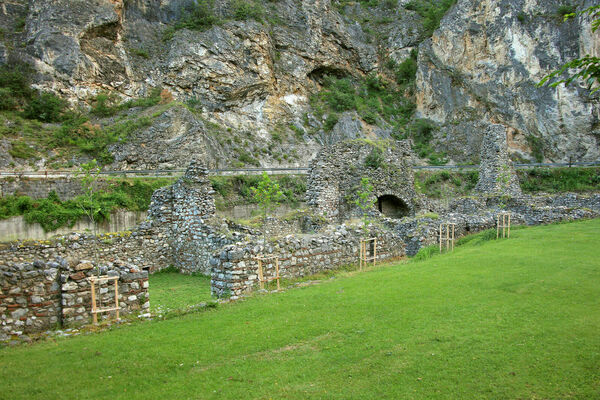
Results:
235 268
40 295
185 211
335 177
497 175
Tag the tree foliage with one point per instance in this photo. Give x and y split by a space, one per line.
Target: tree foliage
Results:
268 195
587 68
364 201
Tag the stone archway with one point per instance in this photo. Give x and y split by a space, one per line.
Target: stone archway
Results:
392 206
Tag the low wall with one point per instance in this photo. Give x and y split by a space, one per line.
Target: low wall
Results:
41 295
235 270
472 215
145 247
15 228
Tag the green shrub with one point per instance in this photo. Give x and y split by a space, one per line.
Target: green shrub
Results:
52 213
140 52
432 12
45 107
7 101
406 71
244 9
330 122
559 180
200 17
105 104
374 159
537 147
421 131
373 98
565 9
15 82
426 253
20 149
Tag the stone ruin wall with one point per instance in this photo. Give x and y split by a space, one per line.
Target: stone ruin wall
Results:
336 172
235 269
185 211
144 247
497 174
42 295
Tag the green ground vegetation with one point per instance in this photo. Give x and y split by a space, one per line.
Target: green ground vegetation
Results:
503 319
170 290
374 98
39 123
432 12
202 15
53 213
446 184
554 180
236 190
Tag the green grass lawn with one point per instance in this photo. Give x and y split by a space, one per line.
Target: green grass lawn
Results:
174 291
508 319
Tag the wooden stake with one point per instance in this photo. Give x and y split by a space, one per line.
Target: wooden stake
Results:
453 226
374 251
497 226
117 298
277 271
260 274
94 311
509 226
440 238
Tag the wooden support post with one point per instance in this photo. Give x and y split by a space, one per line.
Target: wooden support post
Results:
497 226
509 226
453 228
260 274
97 310
440 238
374 251
277 271
94 310
117 298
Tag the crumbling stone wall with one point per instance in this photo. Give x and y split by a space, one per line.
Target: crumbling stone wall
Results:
472 215
185 211
145 247
41 295
335 175
497 175
235 269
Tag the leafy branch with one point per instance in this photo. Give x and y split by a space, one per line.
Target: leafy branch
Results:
587 67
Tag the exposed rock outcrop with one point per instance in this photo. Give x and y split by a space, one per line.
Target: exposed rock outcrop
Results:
482 66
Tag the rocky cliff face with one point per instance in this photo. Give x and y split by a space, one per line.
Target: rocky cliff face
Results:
481 67
246 77
243 87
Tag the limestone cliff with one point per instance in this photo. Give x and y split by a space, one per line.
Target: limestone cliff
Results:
481 67
242 87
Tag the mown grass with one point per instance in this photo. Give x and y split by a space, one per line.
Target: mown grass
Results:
173 291
504 319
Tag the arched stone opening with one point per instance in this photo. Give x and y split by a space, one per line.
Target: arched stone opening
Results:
392 206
